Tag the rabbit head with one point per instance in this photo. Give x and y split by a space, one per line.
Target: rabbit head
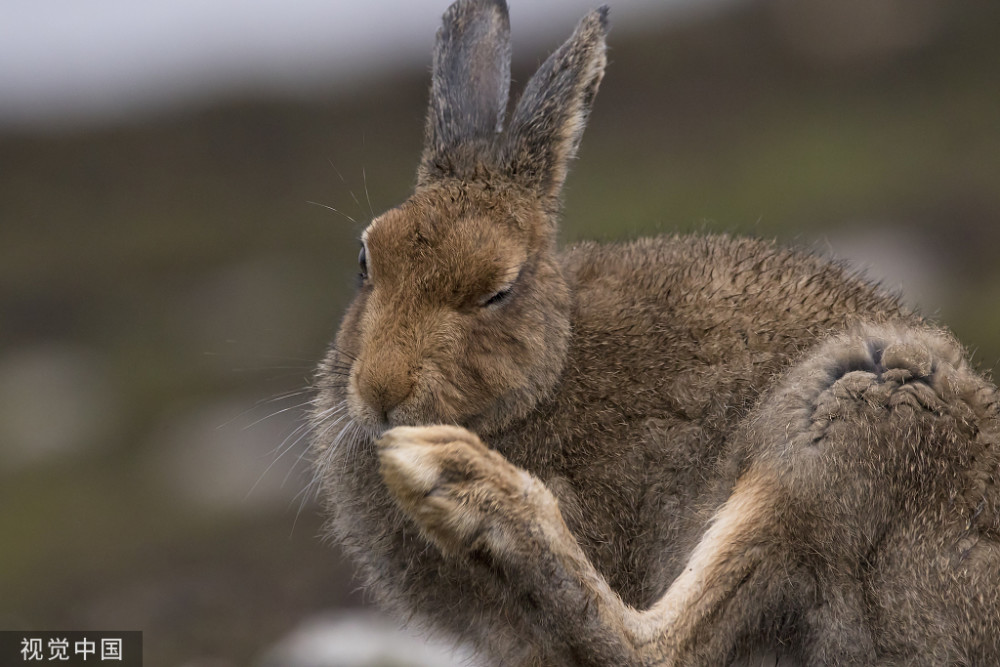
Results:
463 315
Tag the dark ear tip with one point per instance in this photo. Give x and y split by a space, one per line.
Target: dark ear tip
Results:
597 21
602 16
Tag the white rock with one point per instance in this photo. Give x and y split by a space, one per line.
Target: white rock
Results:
359 639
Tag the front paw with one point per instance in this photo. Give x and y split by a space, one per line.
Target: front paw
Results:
461 494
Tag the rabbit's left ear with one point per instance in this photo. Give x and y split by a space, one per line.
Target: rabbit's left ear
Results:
546 127
469 88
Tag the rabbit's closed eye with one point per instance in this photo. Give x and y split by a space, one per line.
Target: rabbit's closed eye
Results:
499 296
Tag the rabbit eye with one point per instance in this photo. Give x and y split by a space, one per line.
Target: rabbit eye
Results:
363 263
499 297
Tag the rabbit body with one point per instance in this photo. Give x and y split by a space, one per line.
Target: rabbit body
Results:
681 450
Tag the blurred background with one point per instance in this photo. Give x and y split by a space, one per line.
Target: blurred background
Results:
182 185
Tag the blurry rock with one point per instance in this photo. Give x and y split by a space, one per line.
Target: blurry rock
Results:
359 639
55 400
232 455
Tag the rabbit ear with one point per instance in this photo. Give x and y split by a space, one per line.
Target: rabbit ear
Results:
469 87
548 122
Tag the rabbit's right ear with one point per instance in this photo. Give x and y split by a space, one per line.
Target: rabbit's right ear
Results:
469 88
545 129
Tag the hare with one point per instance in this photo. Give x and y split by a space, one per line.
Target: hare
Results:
686 450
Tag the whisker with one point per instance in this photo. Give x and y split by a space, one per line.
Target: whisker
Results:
330 427
260 369
333 209
324 460
340 366
305 427
300 432
317 469
309 361
364 178
344 353
341 176
276 413
283 396
347 433
293 439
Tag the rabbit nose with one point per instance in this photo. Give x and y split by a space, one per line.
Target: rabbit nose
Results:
383 392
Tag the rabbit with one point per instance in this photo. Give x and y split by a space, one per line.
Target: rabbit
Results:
683 450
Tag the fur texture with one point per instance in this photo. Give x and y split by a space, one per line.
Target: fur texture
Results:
681 450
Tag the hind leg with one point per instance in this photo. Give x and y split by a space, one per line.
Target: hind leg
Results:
856 447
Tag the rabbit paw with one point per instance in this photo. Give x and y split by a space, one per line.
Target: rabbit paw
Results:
461 494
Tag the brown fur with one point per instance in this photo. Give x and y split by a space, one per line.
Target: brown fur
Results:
697 448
